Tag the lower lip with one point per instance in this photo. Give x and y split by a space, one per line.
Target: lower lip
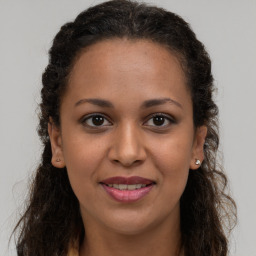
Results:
127 196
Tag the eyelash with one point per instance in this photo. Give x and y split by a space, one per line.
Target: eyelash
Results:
166 117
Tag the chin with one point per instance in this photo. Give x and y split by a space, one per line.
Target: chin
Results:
130 230
131 225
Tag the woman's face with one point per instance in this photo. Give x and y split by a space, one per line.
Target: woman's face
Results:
126 118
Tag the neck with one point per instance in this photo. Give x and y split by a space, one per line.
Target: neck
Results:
157 241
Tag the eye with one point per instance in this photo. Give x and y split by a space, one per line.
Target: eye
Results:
95 120
160 120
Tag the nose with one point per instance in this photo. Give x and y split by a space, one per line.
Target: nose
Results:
127 147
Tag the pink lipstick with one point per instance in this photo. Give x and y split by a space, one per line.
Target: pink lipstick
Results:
127 189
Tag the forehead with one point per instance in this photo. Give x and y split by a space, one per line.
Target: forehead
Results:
126 55
126 66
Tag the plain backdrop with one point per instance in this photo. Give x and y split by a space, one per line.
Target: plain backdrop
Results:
227 28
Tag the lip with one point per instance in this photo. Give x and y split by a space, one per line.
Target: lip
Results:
127 180
127 196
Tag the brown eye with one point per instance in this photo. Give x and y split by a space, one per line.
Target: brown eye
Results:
96 120
160 120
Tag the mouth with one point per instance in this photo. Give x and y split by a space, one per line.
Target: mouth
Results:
133 180
127 189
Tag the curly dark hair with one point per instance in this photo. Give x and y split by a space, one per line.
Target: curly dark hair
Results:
52 218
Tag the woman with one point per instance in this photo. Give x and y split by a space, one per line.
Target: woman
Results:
130 137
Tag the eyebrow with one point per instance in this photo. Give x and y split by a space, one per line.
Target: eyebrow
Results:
146 104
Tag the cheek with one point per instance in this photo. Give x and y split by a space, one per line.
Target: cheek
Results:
173 179
173 161
82 159
174 174
173 154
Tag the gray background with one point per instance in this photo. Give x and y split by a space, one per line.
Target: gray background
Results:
227 28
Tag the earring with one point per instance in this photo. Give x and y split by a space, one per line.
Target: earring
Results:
198 162
58 160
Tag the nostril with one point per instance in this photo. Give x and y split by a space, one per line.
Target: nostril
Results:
127 163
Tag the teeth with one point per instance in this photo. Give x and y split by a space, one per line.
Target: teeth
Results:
122 186
131 187
127 187
140 186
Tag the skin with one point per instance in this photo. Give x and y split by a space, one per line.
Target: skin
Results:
128 143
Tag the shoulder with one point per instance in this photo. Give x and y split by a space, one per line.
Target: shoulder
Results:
73 249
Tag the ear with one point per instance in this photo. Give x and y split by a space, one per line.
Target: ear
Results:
198 147
56 145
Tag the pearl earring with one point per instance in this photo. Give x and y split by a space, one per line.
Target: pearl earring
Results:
198 162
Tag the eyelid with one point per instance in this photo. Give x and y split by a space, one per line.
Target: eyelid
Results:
166 116
87 117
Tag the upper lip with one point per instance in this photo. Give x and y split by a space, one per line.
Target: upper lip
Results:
127 180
